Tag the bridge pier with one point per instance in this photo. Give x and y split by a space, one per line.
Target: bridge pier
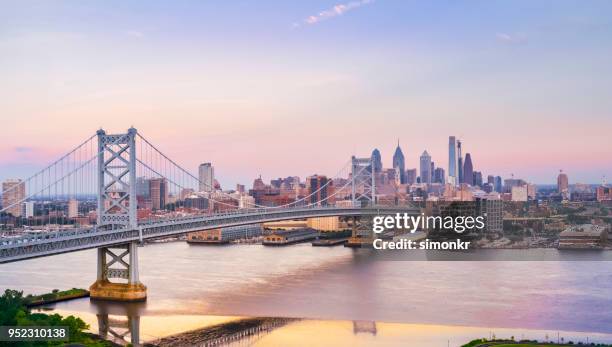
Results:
108 258
361 235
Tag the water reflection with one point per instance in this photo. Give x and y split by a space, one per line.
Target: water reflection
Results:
119 322
364 327
243 332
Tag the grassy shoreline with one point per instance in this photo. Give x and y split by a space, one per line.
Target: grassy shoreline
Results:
55 296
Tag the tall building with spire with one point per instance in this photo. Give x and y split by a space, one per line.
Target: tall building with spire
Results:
425 168
399 163
377 160
452 161
468 170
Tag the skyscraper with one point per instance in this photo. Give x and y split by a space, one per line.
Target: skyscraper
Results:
399 164
425 168
377 160
491 179
411 176
439 176
13 193
468 170
459 163
142 187
498 184
477 179
158 193
206 176
317 183
452 161
432 171
562 183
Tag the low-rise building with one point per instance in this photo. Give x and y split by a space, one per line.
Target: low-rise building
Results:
285 237
585 236
225 235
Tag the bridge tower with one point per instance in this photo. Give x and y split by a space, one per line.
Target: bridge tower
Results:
117 210
363 184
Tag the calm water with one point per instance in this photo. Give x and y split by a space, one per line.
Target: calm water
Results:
195 286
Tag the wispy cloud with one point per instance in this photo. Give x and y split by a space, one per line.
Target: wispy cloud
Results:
23 149
335 11
511 38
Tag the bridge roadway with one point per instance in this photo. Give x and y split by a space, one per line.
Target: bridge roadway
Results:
51 243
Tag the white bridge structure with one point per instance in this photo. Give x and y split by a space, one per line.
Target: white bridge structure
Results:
110 165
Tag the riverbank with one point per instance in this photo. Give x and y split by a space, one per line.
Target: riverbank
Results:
528 343
56 296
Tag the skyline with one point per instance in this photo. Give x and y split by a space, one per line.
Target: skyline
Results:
253 93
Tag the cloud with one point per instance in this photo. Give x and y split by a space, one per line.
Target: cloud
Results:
511 38
23 149
335 11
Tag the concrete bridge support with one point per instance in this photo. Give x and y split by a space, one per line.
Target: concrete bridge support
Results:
362 234
118 262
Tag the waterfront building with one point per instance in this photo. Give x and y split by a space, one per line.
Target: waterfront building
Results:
13 194
327 224
468 170
225 235
425 168
584 236
206 176
285 237
399 163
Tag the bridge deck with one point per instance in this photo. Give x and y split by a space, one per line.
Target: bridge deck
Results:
51 243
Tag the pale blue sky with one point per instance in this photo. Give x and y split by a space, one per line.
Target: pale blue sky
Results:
256 86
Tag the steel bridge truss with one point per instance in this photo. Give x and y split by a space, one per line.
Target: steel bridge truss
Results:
116 179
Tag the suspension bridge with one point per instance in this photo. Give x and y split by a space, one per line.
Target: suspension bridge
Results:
110 167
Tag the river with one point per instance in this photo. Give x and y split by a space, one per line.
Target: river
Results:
340 289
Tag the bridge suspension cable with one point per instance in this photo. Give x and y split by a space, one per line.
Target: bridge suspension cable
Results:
212 189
